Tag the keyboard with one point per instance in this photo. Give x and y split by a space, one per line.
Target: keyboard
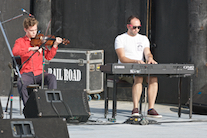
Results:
157 69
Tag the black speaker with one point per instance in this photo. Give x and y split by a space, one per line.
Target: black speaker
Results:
34 128
72 105
200 101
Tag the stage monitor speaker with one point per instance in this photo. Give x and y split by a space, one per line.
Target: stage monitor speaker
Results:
200 101
34 128
69 104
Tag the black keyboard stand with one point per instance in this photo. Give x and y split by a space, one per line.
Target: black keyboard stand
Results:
113 84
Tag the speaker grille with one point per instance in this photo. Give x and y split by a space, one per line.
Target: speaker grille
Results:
22 129
53 96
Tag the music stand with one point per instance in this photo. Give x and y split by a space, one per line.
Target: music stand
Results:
13 59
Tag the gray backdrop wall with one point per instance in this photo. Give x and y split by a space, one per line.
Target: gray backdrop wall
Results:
13 30
95 24
91 24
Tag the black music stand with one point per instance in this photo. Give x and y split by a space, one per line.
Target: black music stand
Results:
13 58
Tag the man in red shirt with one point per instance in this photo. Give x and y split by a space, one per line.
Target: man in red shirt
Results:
31 71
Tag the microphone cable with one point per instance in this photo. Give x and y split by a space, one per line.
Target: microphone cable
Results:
54 108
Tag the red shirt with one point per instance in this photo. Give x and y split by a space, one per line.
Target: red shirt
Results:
35 64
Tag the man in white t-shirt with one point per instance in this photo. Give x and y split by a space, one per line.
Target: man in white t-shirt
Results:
132 47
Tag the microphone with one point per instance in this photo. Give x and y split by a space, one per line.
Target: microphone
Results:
30 15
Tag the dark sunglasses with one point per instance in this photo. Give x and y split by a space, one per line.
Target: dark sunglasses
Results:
134 27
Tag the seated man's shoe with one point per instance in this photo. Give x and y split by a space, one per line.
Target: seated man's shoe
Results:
153 113
135 112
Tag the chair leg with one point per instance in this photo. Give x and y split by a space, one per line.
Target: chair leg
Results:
20 105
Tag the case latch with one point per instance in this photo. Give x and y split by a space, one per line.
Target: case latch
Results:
81 62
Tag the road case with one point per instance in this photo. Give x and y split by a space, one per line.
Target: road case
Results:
78 69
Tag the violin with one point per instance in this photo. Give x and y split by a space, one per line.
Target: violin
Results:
48 40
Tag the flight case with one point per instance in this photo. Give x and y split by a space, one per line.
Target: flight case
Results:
77 69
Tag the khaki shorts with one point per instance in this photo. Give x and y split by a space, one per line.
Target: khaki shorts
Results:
130 79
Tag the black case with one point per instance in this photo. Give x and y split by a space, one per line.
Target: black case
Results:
78 69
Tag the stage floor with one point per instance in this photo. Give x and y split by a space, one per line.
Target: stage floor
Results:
170 125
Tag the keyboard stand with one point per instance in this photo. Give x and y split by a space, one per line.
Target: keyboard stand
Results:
113 84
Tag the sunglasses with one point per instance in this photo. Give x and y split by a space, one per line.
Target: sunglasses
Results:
134 27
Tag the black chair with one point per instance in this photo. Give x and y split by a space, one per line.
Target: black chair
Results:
114 82
14 78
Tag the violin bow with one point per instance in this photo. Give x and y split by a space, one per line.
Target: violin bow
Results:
48 27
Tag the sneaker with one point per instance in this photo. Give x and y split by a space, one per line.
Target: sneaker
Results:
153 113
135 112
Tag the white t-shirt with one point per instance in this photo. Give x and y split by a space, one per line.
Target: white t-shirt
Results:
133 45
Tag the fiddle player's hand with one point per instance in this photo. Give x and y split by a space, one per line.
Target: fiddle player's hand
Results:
57 41
33 48
40 50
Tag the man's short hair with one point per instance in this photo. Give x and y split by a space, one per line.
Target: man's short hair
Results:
131 17
29 22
